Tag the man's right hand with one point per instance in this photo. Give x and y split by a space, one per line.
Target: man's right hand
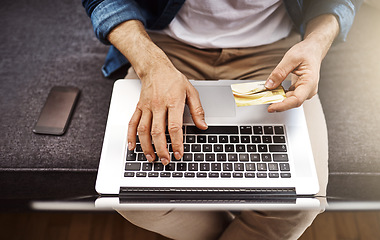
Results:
164 93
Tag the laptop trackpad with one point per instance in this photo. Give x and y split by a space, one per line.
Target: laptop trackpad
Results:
217 101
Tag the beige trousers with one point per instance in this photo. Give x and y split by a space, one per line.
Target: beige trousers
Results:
242 63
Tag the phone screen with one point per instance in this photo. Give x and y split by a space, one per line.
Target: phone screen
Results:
56 113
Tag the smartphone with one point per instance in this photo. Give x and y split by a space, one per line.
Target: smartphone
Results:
56 113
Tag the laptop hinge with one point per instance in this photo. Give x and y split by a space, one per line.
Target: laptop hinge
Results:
186 193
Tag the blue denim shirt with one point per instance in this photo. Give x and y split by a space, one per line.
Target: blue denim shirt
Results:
156 15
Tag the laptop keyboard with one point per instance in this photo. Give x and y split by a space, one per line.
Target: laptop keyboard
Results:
219 152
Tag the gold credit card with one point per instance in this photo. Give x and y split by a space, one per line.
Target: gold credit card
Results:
254 93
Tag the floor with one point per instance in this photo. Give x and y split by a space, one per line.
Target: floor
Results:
111 226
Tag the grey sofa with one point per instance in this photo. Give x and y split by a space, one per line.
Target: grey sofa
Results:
48 43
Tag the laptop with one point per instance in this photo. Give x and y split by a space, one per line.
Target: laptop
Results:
246 156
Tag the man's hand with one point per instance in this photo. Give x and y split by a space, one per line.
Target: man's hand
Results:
162 100
304 61
164 93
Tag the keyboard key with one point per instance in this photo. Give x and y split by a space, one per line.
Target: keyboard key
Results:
250 167
141 157
129 174
239 166
141 174
177 174
234 139
138 148
245 139
193 166
221 157
186 147
131 155
181 166
165 174
207 148
280 157
279 129
285 175
277 148
223 139
218 148
147 166
158 166
201 139
132 166
196 147
284 167
213 130
273 166
279 139
190 139
201 174
216 167
205 167
237 175
189 174
229 148
212 139
249 175
243 157
257 130
213 175
266 157
232 157
187 157
267 139
262 175
168 140
261 167
225 175
256 139
251 148
274 175
268 130
245 130
255 157
170 167
240 148
262 148
227 166
210 157
199 157
153 174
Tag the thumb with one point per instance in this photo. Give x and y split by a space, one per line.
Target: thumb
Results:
196 109
279 74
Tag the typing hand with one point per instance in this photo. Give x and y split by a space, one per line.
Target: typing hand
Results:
162 100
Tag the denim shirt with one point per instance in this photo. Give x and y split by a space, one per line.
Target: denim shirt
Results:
157 14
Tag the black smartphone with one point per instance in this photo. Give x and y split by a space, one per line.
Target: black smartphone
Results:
56 113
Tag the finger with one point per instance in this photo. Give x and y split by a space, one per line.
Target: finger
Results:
293 99
195 107
158 135
282 70
143 130
175 120
132 129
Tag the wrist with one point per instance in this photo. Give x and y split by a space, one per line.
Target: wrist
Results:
321 32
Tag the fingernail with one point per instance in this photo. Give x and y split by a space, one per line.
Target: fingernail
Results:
177 155
164 161
269 83
130 147
204 123
149 158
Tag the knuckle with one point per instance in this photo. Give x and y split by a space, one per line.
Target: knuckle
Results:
155 132
198 111
280 73
174 128
143 129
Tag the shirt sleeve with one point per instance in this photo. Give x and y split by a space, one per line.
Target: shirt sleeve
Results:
344 10
107 14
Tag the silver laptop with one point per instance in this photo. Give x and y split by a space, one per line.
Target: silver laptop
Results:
246 154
